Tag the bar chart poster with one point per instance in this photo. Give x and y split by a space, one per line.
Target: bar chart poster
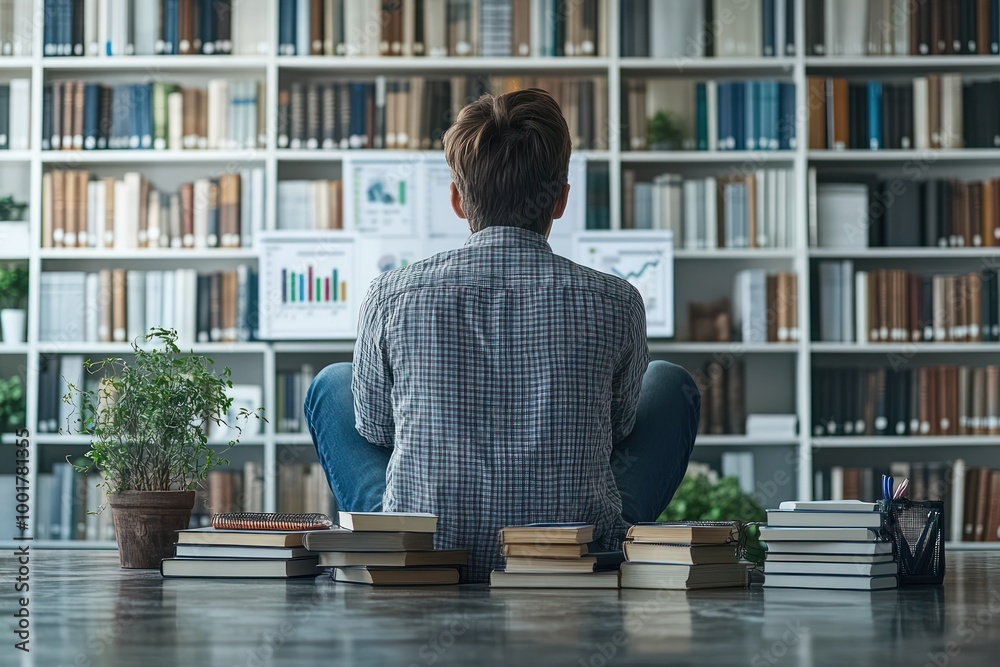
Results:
644 259
307 287
380 197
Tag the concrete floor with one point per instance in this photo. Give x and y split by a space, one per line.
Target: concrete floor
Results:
86 611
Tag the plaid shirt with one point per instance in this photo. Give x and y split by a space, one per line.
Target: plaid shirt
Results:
500 374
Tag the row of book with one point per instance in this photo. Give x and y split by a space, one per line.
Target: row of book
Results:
935 111
833 544
723 398
754 210
80 115
897 306
971 494
130 212
926 401
15 115
118 305
290 395
755 115
765 306
436 28
893 28
414 113
315 204
63 500
686 29
872 213
162 27
16 22
301 487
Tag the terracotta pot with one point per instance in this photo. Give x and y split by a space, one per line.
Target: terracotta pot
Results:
146 523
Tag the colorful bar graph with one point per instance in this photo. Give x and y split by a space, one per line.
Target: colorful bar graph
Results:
310 287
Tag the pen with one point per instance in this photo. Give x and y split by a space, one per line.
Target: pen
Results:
903 486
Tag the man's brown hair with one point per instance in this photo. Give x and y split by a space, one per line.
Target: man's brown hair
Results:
509 157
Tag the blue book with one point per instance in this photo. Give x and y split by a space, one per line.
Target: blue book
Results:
91 94
48 28
874 115
207 26
286 28
749 99
786 121
724 111
701 117
357 115
770 47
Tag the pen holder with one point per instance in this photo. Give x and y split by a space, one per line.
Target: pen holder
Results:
917 529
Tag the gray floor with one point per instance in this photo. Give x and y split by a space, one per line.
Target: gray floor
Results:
86 611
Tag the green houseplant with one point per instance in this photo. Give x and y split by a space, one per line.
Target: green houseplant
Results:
665 133
13 298
12 404
147 419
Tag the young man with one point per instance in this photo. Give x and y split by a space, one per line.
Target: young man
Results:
500 384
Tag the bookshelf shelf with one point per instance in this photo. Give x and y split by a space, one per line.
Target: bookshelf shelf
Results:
716 254
906 63
924 156
15 63
388 65
742 440
293 439
13 348
181 255
903 253
682 66
872 442
335 347
15 156
906 348
57 439
734 348
708 157
972 546
124 348
156 64
77 158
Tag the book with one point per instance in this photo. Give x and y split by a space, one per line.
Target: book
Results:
682 577
770 534
680 533
595 562
239 568
438 557
502 579
823 518
828 505
392 522
829 581
779 557
242 538
405 576
643 552
342 539
548 533
819 547
258 553
544 550
819 568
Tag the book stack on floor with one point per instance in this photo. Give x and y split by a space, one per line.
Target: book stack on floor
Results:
827 544
680 556
554 555
385 549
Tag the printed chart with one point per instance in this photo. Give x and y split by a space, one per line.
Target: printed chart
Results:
377 255
644 259
381 197
307 286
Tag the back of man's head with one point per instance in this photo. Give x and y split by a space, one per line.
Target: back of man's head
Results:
509 157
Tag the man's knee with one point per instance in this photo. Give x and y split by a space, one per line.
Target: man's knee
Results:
675 388
329 382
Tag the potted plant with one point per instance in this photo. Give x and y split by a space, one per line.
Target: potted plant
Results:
665 133
13 298
12 404
148 421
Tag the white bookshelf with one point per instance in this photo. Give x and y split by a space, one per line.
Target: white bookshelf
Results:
782 370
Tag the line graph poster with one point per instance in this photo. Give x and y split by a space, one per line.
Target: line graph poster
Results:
380 196
644 259
307 286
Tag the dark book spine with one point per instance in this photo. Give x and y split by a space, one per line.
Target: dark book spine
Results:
768 38
4 116
207 11
77 37
90 101
789 36
815 27
224 27
104 128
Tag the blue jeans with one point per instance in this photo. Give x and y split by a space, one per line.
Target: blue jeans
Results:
648 464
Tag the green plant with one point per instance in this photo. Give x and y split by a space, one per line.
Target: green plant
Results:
10 210
664 128
148 417
697 499
12 404
13 287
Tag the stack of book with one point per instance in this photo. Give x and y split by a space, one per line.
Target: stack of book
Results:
827 544
554 555
211 552
681 556
385 549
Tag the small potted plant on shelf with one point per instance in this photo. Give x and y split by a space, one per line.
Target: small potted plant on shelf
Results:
14 234
147 419
13 299
665 133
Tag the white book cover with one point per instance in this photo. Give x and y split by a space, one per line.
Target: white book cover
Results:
676 27
861 307
711 213
70 372
153 301
176 233
921 124
135 306
133 193
957 500
147 31
200 215
712 114
167 319
153 231
255 222
122 218
761 209
92 311
828 505
691 201
18 132
842 569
